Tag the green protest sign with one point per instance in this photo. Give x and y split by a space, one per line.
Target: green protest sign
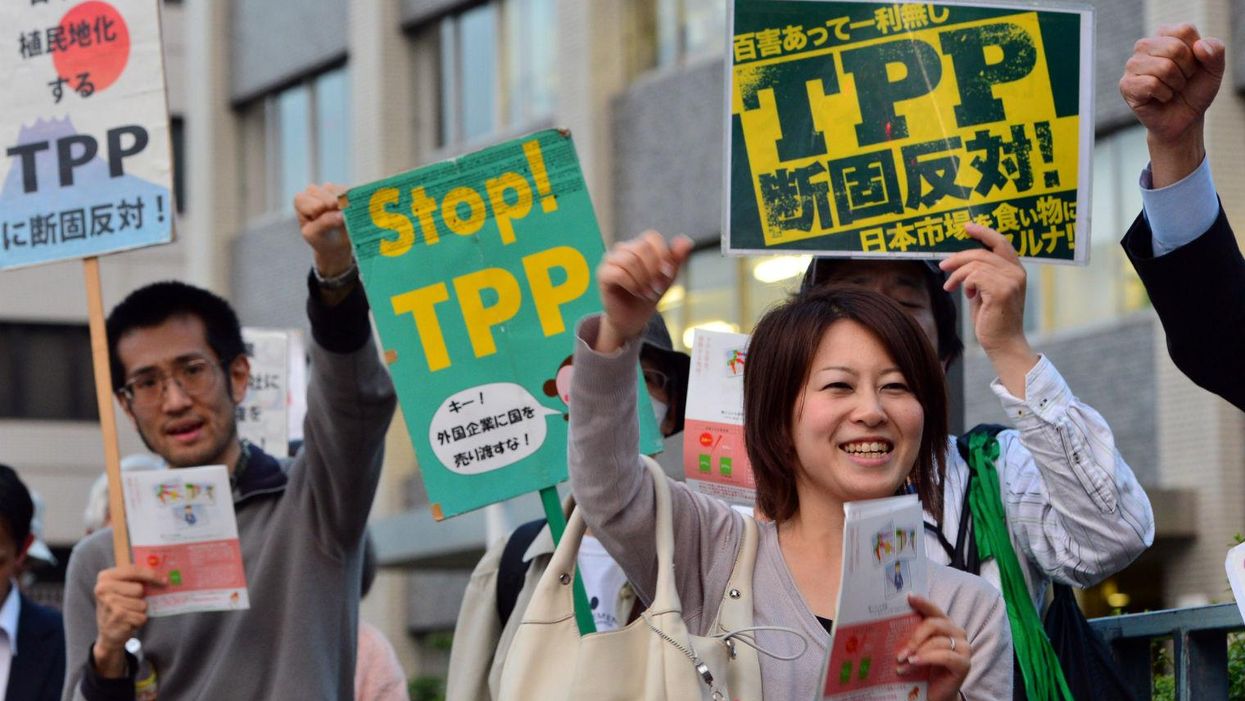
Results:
880 129
477 270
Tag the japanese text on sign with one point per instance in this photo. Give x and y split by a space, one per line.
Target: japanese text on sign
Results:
866 128
488 427
85 158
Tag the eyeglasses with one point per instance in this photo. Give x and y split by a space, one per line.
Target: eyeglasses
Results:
656 379
195 376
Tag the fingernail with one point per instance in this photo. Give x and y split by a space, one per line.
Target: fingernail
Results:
914 660
667 270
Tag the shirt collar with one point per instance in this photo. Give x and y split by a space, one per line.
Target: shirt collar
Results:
8 615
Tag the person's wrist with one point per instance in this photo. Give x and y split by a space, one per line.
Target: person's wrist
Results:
109 661
1172 160
610 337
334 263
1012 361
1012 348
341 278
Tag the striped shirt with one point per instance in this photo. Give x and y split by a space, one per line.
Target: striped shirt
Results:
1074 508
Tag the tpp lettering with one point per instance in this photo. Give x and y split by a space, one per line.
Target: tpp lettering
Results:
890 72
77 150
492 296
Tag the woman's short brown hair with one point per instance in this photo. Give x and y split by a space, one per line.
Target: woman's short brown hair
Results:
780 356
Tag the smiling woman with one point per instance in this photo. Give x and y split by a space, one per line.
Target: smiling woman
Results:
845 400
858 371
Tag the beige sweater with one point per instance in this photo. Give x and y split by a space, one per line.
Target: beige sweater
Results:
616 496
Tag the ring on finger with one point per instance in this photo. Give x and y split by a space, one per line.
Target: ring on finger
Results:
952 643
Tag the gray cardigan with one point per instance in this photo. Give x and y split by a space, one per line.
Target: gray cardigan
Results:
301 534
616 496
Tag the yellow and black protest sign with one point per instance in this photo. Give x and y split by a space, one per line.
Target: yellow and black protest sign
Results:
881 129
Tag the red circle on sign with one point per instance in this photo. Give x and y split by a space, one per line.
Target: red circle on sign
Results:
94 46
706 439
153 560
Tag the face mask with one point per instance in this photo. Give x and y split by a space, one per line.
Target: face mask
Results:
659 411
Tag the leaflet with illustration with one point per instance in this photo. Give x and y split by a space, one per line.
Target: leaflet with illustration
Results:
883 561
182 525
714 459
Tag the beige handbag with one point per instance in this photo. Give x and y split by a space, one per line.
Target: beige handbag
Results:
653 658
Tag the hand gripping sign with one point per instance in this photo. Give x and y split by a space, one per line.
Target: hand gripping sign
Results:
880 129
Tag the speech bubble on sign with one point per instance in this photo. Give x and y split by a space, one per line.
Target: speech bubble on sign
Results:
488 427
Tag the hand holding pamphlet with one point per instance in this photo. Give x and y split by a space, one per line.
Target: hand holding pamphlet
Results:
182 525
883 562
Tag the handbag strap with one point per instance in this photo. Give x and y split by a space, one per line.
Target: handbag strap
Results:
735 611
552 600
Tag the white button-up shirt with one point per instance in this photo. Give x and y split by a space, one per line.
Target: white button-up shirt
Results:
1075 511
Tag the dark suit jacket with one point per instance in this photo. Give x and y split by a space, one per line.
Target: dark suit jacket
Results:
38 671
1198 291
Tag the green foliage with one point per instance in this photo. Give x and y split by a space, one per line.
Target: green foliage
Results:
1236 667
1165 678
441 640
1164 687
1164 675
427 688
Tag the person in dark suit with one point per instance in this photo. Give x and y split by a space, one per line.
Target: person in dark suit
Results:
32 637
1181 244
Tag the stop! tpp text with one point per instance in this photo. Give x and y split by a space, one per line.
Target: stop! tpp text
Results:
463 211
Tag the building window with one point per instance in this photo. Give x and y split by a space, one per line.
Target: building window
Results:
721 293
46 373
670 32
1108 287
496 68
293 137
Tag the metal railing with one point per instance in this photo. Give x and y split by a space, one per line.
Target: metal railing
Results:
1200 648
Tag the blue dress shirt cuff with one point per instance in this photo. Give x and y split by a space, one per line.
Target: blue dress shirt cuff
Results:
1181 211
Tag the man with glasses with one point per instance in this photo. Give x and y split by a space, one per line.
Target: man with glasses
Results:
179 370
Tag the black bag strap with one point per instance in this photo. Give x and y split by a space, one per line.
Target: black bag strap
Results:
512 570
963 554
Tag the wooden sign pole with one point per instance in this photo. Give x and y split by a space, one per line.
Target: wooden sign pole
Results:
107 413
